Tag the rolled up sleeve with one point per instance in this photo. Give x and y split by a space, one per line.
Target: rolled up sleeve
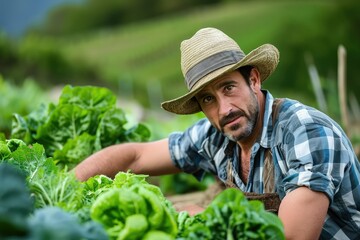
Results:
317 159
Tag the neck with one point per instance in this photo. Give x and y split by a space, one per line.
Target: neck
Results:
247 143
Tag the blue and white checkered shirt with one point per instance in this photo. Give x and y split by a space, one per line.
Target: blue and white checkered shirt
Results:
308 148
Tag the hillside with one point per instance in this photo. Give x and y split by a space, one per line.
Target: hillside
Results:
143 60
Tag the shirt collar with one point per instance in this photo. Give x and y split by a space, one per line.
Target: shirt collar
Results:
265 139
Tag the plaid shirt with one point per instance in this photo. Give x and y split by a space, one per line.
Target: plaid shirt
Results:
309 149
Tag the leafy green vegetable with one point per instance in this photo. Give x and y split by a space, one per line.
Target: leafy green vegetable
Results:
32 161
5 152
96 185
50 185
7 147
65 122
91 189
157 235
55 224
15 98
137 133
88 97
111 126
127 179
135 227
13 144
184 183
19 221
129 197
15 202
112 207
74 149
59 188
127 207
231 216
24 127
85 120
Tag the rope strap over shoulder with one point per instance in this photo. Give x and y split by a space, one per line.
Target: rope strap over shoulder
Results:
269 171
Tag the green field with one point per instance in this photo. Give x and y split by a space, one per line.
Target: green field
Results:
143 59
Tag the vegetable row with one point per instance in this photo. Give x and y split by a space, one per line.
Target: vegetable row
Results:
43 199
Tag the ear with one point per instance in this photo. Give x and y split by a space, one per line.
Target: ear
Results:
255 81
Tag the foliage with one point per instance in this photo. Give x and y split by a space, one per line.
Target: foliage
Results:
40 58
7 51
313 38
121 58
57 224
68 149
183 183
63 202
231 216
15 98
92 15
127 207
136 66
86 119
15 202
132 200
19 220
50 185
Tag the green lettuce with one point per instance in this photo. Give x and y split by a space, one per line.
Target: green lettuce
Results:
231 216
85 120
130 198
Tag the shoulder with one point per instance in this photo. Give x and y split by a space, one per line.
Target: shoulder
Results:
294 114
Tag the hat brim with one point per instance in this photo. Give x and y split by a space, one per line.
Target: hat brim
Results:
265 58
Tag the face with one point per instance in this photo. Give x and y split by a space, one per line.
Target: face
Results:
231 105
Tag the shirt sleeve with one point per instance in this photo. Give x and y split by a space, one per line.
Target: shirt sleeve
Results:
188 149
317 156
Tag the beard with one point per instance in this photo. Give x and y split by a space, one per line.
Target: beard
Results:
238 132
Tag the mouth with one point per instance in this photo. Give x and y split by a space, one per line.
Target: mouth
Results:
232 118
233 121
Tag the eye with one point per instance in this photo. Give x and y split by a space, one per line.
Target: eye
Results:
207 99
204 98
228 88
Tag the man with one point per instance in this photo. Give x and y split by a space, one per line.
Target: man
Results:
251 141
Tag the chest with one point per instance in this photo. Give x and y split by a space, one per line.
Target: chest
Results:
246 171
244 167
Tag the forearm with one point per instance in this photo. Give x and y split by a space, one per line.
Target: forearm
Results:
107 161
152 158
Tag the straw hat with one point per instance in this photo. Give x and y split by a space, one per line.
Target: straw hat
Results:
209 54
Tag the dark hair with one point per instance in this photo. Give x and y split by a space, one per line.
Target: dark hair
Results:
245 72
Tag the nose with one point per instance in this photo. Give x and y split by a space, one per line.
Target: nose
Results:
225 106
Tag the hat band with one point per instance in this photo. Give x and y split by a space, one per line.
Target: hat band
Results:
210 64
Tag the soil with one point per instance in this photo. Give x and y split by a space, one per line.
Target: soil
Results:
197 201
200 198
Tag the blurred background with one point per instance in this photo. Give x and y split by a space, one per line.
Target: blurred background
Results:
132 48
